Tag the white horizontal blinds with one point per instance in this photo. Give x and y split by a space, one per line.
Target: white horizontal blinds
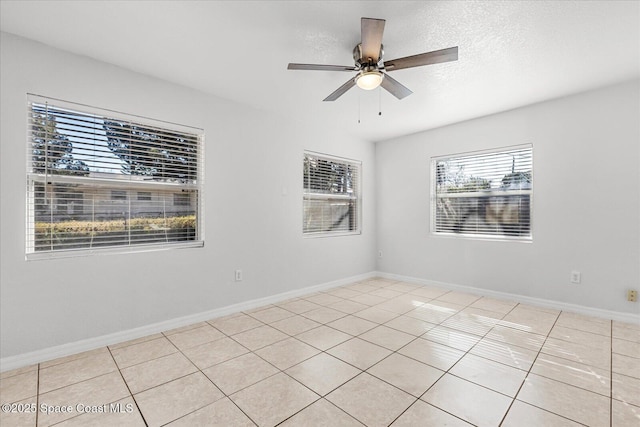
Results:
331 199
99 181
484 194
117 149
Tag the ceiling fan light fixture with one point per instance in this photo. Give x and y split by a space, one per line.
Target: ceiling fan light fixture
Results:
369 80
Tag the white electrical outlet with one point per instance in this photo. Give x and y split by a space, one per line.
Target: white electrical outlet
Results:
575 277
238 275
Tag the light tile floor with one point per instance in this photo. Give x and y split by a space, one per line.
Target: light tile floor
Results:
373 353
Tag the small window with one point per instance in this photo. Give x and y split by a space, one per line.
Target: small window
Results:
331 195
483 194
181 199
91 174
118 195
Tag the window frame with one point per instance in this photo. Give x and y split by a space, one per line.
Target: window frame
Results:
356 198
528 238
131 187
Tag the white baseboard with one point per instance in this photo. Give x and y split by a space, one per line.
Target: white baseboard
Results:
574 308
38 356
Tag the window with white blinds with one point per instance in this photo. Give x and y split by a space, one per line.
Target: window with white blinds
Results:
100 181
331 195
484 194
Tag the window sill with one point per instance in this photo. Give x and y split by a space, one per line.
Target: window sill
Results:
325 234
462 236
74 253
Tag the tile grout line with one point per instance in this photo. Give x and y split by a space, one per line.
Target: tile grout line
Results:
79 381
38 395
145 361
527 375
618 374
611 379
144 420
529 372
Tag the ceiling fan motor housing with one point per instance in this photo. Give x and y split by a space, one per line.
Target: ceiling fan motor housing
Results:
366 62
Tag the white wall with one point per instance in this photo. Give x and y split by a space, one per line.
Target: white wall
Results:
586 210
250 158
586 207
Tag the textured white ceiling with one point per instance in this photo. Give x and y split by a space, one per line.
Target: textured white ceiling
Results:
511 53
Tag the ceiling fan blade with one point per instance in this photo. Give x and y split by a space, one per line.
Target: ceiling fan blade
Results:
394 87
435 57
319 67
371 35
341 90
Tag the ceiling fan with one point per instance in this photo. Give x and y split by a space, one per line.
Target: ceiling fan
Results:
372 69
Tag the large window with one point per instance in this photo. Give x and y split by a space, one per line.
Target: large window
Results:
331 195
483 194
103 181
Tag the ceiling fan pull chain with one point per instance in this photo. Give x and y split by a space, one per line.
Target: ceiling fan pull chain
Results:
379 101
359 108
